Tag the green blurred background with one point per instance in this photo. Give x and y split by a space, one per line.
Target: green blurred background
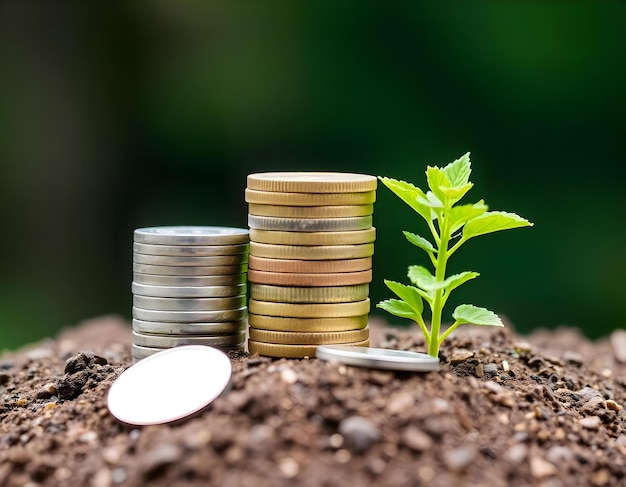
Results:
134 114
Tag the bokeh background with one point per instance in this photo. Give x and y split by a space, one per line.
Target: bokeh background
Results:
135 114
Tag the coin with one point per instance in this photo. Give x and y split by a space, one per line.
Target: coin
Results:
307 324
313 238
378 358
293 279
139 353
165 386
189 304
309 266
312 252
310 224
330 294
289 351
309 199
168 270
203 261
312 182
310 211
163 328
335 310
186 235
218 316
164 341
308 338
191 250
188 291
193 281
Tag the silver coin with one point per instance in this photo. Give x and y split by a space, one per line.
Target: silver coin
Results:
309 224
189 304
165 387
192 235
378 358
192 281
190 250
168 270
211 261
139 353
218 316
188 291
164 341
160 328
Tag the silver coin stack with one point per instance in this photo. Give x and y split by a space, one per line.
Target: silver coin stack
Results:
189 288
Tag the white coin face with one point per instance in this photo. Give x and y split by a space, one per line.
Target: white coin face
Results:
378 358
169 385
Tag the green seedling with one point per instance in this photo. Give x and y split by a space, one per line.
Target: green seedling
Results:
451 225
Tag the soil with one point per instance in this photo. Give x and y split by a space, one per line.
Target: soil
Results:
504 410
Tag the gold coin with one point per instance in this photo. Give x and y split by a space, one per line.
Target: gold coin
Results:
278 323
309 338
312 252
310 211
291 310
309 266
312 182
313 238
309 199
310 224
294 279
330 294
290 351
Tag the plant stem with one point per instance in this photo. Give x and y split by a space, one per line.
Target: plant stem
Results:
440 275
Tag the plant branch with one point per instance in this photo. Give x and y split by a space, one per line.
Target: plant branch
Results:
450 329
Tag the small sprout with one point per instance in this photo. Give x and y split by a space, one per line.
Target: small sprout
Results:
451 225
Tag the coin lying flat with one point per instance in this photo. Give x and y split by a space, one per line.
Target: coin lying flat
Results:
335 310
189 235
313 238
163 328
310 224
310 211
325 294
164 341
309 199
189 304
190 316
293 279
190 250
308 338
378 358
289 351
169 270
193 281
309 266
198 261
312 252
312 182
139 353
188 291
277 323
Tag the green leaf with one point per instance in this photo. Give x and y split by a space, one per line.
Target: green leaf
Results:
455 194
422 278
437 180
398 308
408 294
456 280
467 313
430 200
410 194
493 221
458 172
459 215
420 242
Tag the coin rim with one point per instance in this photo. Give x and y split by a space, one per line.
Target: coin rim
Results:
324 310
299 182
310 279
354 237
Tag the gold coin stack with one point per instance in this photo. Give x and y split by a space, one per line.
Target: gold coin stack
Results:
311 247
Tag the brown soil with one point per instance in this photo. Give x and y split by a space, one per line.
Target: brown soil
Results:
502 411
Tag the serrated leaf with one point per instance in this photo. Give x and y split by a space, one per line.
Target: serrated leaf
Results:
493 221
398 308
467 313
420 242
422 278
410 194
437 180
458 172
456 280
459 215
430 200
455 194
408 294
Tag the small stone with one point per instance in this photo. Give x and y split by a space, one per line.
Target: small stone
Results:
416 440
88 437
520 347
573 357
590 422
359 433
288 376
491 369
460 355
601 477
102 478
335 441
540 468
588 393
479 371
618 343
46 391
399 402
460 458
118 475
493 387
113 454
289 468
505 366
22 401
159 457
261 437
612 405
517 453
342 456
559 455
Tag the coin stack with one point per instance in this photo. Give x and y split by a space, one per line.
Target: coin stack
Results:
311 247
189 288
